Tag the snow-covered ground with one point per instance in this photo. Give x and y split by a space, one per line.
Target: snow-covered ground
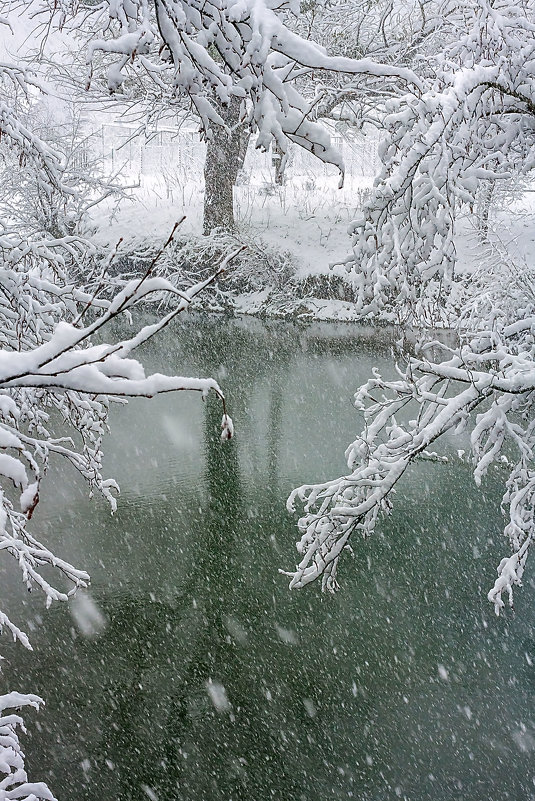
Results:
307 218
305 221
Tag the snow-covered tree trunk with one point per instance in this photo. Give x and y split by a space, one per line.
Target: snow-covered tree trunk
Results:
279 162
484 196
225 152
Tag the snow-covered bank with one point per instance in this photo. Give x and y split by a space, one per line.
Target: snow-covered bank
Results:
306 219
292 234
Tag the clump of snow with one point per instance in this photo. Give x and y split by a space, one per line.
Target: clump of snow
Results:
227 428
218 696
89 619
29 498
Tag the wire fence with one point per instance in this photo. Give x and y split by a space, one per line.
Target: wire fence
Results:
181 153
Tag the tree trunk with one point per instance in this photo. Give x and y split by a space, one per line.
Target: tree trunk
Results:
225 154
279 163
485 198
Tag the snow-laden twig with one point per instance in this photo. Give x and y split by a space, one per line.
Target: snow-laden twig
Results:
15 784
442 397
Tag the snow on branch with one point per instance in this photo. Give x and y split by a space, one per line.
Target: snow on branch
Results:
67 371
212 51
472 127
493 374
15 784
57 299
46 161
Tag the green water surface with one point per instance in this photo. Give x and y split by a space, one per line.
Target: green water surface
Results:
205 678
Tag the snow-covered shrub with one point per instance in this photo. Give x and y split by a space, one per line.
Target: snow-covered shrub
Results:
255 265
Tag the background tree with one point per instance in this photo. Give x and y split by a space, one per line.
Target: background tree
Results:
236 64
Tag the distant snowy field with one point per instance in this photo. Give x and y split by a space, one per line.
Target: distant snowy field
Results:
307 218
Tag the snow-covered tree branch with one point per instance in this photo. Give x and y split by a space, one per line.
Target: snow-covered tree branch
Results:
15 784
489 372
57 299
242 50
474 124
56 367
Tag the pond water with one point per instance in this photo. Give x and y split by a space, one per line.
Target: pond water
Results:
189 671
